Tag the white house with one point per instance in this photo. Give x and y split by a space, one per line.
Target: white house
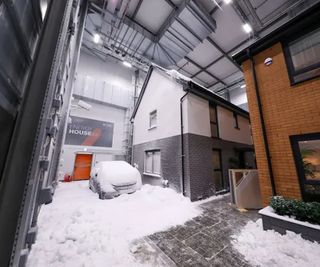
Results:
187 137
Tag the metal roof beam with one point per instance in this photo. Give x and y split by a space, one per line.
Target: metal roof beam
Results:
230 85
223 52
204 70
184 25
167 54
219 58
171 18
180 40
129 22
253 12
209 21
170 3
139 28
208 66
213 10
136 10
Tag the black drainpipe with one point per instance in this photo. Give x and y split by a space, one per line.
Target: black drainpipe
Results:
182 143
263 126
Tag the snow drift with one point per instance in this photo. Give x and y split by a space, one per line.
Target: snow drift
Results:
78 229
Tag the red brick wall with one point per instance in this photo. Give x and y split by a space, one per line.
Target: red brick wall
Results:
288 110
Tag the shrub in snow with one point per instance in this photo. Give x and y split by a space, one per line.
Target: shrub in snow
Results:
302 211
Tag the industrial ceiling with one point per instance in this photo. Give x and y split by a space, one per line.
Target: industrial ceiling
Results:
195 37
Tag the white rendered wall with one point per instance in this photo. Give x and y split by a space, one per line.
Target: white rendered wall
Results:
227 130
162 94
198 116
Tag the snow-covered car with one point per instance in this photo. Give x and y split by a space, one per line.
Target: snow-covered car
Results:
112 178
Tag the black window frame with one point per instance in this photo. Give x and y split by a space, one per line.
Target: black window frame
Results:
294 140
220 169
152 113
236 121
287 55
216 123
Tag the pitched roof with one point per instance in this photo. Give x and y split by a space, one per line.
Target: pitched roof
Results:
192 87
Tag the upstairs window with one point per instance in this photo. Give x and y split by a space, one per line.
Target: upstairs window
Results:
235 121
303 57
153 119
152 162
214 121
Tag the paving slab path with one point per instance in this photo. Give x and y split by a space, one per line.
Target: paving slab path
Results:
203 241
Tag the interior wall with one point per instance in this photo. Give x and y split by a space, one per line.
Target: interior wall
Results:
107 86
110 70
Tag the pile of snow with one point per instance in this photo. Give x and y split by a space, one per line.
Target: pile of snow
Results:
177 75
269 248
78 229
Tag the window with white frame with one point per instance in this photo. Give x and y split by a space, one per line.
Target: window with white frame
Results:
152 162
153 119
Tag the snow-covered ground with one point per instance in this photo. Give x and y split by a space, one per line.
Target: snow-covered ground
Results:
269 248
78 229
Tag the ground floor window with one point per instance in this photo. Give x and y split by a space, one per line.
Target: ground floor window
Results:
152 162
306 151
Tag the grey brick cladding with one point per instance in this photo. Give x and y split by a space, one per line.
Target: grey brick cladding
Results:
198 162
170 161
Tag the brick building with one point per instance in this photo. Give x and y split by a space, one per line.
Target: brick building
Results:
216 136
282 73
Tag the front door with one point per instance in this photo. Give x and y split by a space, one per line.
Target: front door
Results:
82 167
217 170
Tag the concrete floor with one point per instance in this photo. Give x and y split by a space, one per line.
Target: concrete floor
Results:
203 241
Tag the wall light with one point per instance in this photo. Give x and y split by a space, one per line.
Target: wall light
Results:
247 27
227 1
127 64
96 38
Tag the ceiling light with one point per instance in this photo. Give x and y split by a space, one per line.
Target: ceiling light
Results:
127 64
227 1
243 86
247 28
96 38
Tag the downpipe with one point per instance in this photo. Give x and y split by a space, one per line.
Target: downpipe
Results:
182 143
263 126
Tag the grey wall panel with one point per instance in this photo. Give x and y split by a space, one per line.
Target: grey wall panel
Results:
198 182
200 166
170 160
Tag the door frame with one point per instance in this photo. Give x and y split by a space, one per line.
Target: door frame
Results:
221 167
75 160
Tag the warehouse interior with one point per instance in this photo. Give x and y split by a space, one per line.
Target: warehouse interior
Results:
85 62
